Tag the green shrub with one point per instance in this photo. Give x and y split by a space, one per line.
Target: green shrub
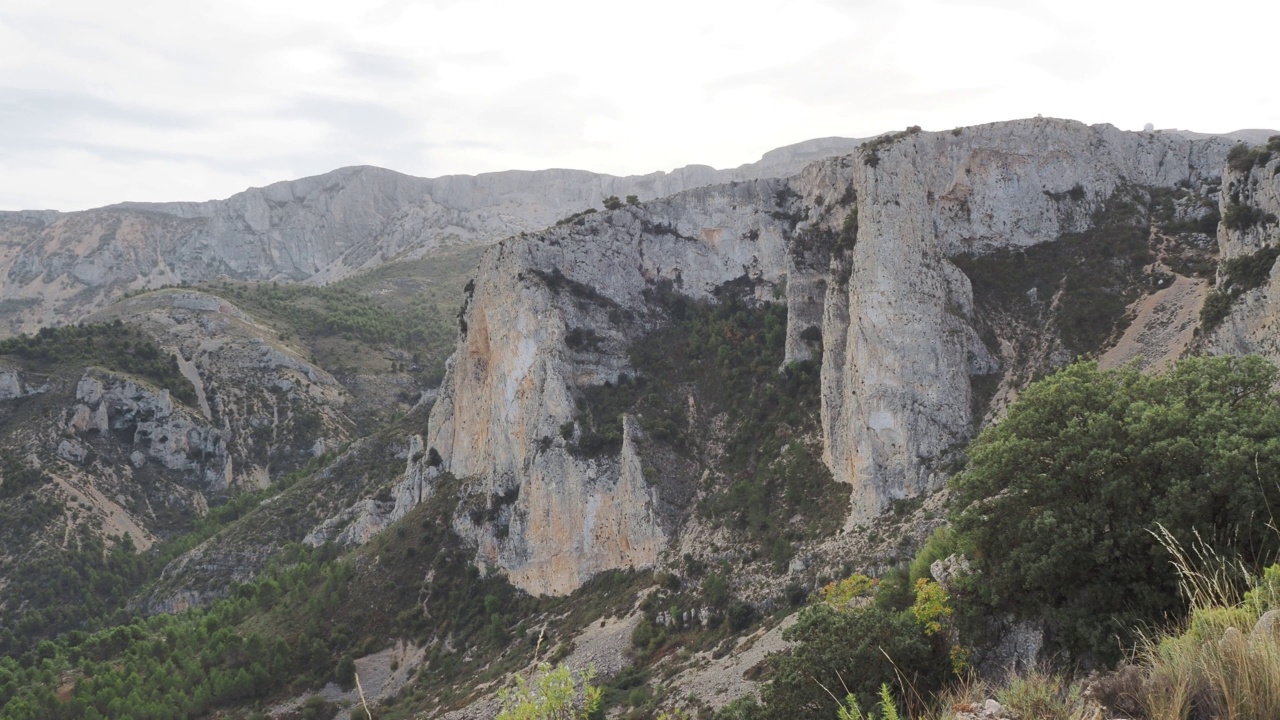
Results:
1042 695
849 710
716 590
858 649
1217 305
1248 272
1242 158
1242 217
1060 500
555 694
940 545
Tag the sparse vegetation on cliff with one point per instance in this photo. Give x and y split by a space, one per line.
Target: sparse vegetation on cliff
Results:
1242 217
1242 158
726 358
1239 276
397 318
1067 297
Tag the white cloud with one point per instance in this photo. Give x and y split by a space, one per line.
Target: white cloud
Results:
112 100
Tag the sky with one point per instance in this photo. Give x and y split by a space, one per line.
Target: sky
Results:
105 100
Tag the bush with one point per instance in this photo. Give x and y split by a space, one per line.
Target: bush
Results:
940 545
1248 272
716 590
1242 217
855 649
1059 502
558 694
1242 158
1217 305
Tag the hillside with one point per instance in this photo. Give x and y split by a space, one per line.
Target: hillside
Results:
649 436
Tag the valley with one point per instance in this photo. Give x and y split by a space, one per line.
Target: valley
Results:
436 432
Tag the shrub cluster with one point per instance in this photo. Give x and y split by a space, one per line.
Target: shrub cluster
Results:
114 346
1060 500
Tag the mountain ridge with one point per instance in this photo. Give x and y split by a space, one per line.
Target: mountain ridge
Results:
56 268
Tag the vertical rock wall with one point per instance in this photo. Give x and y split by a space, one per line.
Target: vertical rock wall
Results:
896 320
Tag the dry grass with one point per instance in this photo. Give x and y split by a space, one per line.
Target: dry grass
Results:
1220 663
1039 693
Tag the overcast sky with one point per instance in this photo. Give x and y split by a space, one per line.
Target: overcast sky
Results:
105 100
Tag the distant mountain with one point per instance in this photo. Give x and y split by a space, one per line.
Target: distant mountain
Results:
55 268
1253 136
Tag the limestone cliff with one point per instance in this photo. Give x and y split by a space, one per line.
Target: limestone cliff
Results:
559 518
900 335
870 248
1249 238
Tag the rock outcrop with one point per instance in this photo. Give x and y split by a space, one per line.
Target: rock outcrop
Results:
369 516
153 428
865 246
14 384
1250 234
144 456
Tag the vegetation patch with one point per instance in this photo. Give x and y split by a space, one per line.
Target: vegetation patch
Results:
1242 158
578 218
1060 502
300 623
114 346
397 318
87 581
1082 282
726 356
557 282
1242 217
1104 505
871 148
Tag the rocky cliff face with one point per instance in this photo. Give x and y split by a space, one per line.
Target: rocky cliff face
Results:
901 334
1249 238
558 518
57 267
870 249
273 409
